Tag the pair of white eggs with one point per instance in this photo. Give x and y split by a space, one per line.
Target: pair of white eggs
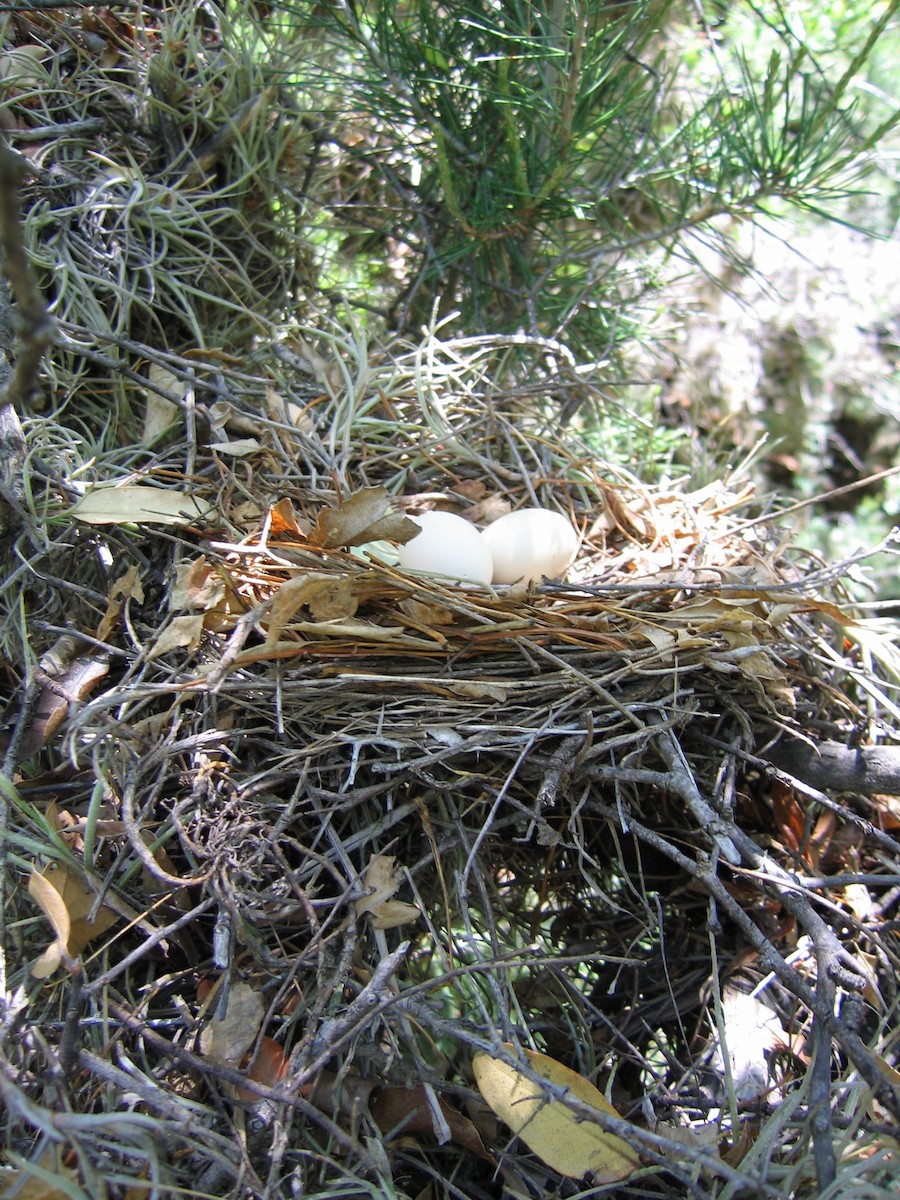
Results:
523 546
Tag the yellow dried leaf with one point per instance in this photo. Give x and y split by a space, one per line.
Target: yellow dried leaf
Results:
563 1140
65 899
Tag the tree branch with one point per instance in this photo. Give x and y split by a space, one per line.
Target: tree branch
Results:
832 767
36 326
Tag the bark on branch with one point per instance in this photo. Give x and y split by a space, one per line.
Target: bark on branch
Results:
832 767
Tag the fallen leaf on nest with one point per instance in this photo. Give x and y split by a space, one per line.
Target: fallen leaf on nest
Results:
790 819
126 587
65 899
231 1039
161 413
383 882
283 519
239 448
137 504
363 517
560 1138
197 584
47 1179
426 614
268 1066
180 631
279 409
328 598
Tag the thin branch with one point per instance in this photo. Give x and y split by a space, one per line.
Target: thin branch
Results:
37 328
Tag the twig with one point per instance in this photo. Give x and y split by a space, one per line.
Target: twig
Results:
369 1001
680 780
277 1095
869 770
770 958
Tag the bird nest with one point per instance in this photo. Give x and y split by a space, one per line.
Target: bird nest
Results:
307 832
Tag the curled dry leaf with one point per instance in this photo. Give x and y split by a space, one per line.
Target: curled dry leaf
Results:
180 631
239 448
63 895
328 598
382 881
198 584
284 520
363 517
268 1066
563 1139
126 587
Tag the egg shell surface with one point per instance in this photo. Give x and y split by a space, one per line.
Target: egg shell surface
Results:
448 546
530 543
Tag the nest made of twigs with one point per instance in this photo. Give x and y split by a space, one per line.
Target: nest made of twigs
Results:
569 785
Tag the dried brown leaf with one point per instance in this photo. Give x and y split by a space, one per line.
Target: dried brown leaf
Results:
126 587
198 584
283 519
407 1110
363 517
328 598
180 631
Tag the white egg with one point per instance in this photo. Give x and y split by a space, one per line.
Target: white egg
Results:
530 543
448 546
